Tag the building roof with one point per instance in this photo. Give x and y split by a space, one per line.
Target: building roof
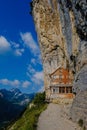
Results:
59 67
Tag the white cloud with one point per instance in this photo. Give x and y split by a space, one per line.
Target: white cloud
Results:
4 81
37 78
30 42
26 84
33 61
4 45
31 70
10 82
15 45
14 83
36 61
39 59
19 52
39 75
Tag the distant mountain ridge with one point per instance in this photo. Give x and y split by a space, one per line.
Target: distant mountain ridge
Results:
14 95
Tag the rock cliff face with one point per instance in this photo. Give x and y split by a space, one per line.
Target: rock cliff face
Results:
79 107
62 32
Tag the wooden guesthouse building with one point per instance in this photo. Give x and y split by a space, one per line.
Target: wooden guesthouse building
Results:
60 84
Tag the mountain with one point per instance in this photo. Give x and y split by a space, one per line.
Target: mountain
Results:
61 26
8 112
12 103
16 96
28 119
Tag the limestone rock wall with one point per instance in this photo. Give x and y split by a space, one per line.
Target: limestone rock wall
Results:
56 33
62 32
79 107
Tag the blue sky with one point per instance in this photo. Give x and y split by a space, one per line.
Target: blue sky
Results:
20 58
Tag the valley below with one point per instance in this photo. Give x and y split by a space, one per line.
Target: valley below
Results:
12 105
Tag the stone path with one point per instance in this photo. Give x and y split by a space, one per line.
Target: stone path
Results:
55 117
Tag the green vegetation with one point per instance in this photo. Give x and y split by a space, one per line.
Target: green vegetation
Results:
29 119
39 99
80 122
84 128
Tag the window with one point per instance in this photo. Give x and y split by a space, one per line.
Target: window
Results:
55 90
61 89
61 76
65 89
56 76
68 89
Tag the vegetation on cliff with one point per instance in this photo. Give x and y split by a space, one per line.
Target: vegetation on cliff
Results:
28 121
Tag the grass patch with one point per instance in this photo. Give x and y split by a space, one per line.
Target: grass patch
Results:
29 119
